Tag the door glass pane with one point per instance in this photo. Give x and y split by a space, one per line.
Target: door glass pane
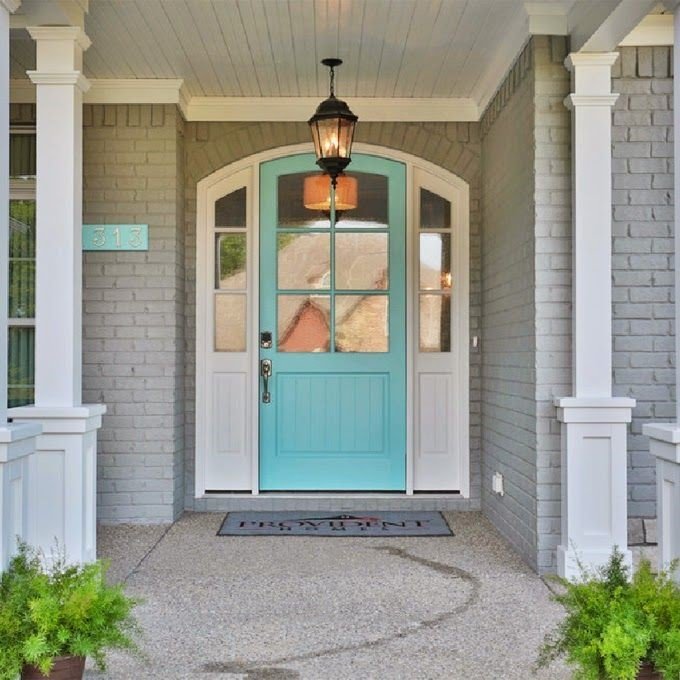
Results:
291 204
435 211
22 259
435 323
21 156
361 323
361 261
369 196
230 210
303 323
303 261
435 261
371 211
230 261
21 369
230 323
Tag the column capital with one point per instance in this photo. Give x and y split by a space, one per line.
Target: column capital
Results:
70 78
74 34
577 59
10 5
573 100
592 72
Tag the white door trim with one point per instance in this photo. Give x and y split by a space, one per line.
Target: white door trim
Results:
415 166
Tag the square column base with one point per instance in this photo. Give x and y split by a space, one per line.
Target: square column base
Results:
664 445
63 498
17 445
594 486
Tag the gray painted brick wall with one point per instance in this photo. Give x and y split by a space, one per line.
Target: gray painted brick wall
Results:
553 249
210 146
642 248
508 333
133 316
526 291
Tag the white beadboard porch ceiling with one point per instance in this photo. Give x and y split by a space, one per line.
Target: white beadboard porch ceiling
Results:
272 48
434 57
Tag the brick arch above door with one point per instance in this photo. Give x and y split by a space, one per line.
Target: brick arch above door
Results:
455 147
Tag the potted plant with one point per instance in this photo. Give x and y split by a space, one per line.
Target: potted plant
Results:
53 617
617 627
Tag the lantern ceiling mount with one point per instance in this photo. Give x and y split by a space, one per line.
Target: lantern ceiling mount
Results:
332 127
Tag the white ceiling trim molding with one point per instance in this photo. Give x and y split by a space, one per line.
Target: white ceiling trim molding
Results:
123 91
263 109
295 109
654 29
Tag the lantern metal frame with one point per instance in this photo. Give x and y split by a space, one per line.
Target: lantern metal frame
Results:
331 109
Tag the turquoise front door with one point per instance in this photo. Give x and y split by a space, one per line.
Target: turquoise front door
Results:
332 327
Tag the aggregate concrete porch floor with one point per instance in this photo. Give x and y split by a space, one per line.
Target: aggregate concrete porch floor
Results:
280 608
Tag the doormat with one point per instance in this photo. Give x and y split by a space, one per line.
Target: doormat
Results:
315 523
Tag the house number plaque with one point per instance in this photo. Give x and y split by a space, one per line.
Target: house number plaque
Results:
115 237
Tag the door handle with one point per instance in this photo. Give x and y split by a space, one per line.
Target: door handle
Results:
266 372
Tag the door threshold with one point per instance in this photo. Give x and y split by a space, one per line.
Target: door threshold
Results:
329 495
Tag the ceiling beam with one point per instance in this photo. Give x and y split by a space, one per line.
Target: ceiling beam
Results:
548 18
654 29
601 26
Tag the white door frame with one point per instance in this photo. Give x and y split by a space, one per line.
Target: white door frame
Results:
416 170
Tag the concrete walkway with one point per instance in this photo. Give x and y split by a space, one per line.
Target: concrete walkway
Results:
279 608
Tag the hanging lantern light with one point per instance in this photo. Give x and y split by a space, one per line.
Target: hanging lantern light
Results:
317 193
332 127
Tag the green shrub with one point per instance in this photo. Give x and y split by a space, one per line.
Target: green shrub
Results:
615 623
59 610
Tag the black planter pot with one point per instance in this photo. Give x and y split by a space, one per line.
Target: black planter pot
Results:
65 668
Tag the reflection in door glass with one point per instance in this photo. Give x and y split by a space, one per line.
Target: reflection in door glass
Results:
435 261
361 323
435 323
230 323
370 211
230 261
291 207
303 323
303 261
361 261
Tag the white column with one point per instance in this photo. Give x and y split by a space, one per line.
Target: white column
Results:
664 441
17 442
59 187
62 504
594 456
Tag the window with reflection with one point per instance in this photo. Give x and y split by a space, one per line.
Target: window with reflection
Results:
231 272
230 323
361 323
345 262
21 283
435 278
303 261
371 211
303 323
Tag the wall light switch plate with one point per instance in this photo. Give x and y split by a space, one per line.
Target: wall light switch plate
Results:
497 484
